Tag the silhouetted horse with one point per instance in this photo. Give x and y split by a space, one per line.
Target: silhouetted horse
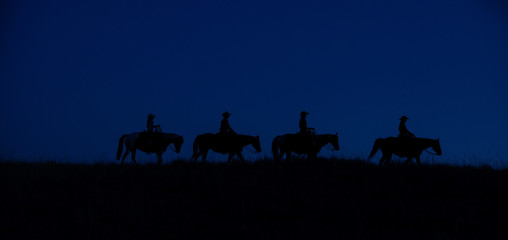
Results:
407 147
223 143
157 143
302 144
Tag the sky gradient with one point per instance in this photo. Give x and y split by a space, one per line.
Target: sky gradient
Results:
75 76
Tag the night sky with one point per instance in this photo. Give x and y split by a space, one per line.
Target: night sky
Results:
76 75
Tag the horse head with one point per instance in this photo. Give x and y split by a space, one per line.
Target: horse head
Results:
178 143
334 140
256 144
436 146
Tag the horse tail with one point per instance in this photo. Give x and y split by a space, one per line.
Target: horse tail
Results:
120 147
376 146
275 148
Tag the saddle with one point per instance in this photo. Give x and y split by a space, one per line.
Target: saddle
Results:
405 140
225 136
306 138
149 137
308 132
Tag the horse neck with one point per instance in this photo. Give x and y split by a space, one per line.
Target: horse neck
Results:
245 139
322 139
169 137
425 142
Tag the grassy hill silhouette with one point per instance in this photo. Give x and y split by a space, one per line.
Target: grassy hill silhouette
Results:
326 198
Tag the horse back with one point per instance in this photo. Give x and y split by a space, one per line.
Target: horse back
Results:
205 138
402 147
221 143
297 143
208 141
151 142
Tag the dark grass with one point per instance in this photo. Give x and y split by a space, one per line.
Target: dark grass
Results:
323 199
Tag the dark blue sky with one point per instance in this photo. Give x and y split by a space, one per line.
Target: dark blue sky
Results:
76 75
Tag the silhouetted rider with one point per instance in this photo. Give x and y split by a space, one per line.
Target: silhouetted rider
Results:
224 125
403 132
150 126
303 124
151 129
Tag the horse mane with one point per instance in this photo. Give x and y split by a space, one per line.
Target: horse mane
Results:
171 136
326 134
418 139
246 136
426 140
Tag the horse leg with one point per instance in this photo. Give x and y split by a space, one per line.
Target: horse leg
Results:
127 151
231 155
133 157
288 155
195 156
381 160
205 153
278 156
417 158
159 158
388 158
240 156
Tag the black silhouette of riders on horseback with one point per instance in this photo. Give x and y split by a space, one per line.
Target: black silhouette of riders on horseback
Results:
307 135
225 128
151 128
403 132
304 130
